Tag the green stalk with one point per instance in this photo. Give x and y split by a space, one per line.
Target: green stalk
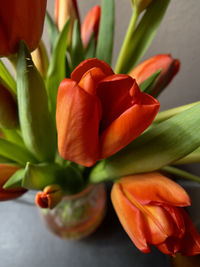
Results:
181 173
127 40
164 115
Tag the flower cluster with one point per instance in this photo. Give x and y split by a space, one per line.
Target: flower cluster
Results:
72 120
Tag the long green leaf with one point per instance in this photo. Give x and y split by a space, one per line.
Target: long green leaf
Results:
77 53
15 152
52 30
15 180
91 47
57 67
106 31
37 126
143 34
161 145
6 79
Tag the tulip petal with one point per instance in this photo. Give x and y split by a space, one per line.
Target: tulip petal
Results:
77 119
113 91
130 217
88 64
90 25
190 243
129 124
155 188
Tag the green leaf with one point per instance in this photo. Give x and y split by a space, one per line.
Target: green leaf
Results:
77 53
91 47
13 136
57 67
52 30
15 180
159 146
38 176
106 31
15 152
6 79
5 160
146 85
37 126
143 34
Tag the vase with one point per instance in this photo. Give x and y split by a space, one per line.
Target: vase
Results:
79 215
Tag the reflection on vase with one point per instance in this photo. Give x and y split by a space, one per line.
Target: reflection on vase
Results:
79 215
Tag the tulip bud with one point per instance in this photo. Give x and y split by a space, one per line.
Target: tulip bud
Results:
65 9
140 5
169 68
40 59
90 25
50 197
8 109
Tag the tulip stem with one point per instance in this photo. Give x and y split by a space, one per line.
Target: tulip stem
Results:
164 115
127 40
181 173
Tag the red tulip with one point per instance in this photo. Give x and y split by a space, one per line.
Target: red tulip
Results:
169 67
20 20
99 113
149 207
50 197
90 25
6 171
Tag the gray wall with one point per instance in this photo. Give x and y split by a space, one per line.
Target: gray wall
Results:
179 35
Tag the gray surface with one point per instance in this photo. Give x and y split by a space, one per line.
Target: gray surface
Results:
25 242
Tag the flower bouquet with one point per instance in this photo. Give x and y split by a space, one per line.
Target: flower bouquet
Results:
70 123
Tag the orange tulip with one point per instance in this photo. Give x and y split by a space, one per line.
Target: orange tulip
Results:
149 207
91 25
6 171
169 67
20 20
98 113
50 197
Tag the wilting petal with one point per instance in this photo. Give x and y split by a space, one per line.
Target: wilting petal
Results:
77 119
155 188
90 25
130 217
6 171
89 64
129 124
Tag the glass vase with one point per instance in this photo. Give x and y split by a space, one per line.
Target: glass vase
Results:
79 215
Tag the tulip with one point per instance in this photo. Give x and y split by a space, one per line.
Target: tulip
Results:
6 171
149 207
40 59
98 113
21 20
90 25
169 68
50 197
140 5
8 109
65 9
